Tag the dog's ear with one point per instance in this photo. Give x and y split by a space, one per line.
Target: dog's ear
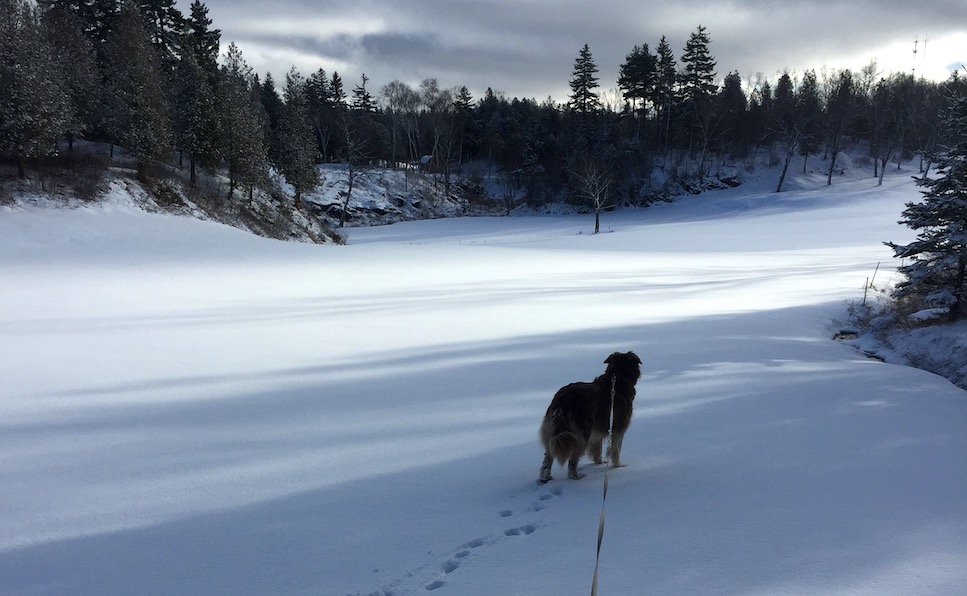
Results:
634 357
611 357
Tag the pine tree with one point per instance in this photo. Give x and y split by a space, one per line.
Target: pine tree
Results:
841 112
34 104
583 98
362 99
166 26
698 78
337 95
637 77
137 115
732 105
201 40
273 106
242 124
809 107
937 274
195 117
76 60
298 156
666 76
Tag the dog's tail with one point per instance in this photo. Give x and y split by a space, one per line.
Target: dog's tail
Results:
558 437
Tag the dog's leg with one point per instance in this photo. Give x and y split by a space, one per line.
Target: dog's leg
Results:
614 449
572 468
594 448
546 469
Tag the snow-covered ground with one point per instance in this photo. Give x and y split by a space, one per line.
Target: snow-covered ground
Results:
189 409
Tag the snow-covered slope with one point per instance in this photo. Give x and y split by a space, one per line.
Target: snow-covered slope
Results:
189 409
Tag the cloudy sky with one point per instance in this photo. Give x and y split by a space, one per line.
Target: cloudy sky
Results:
526 48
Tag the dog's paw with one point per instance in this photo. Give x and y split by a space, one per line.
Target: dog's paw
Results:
619 465
577 476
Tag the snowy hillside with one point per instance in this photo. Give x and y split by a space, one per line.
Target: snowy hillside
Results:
189 409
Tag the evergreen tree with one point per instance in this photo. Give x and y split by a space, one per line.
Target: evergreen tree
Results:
698 90
321 114
137 111
201 41
166 26
637 77
195 117
732 106
298 157
337 95
242 124
698 78
785 126
664 93
841 112
273 106
34 105
94 16
362 99
937 273
809 108
74 56
583 98
463 112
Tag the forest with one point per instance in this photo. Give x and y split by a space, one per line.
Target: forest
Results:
143 76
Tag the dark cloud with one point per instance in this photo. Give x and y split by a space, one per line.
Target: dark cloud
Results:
527 47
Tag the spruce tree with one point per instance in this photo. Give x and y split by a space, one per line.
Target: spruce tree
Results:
201 40
809 107
637 77
195 116
137 115
298 156
698 78
664 92
75 57
34 106
584 81
937 273
242 124
362 99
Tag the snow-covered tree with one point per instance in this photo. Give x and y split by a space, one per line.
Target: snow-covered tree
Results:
195 115
937 272
242 124
298 152
34 107
137 116
76 58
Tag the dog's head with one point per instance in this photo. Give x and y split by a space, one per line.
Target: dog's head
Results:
626 365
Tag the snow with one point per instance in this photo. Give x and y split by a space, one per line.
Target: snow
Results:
189 409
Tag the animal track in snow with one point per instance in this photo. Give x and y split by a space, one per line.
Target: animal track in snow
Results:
431 577
527 529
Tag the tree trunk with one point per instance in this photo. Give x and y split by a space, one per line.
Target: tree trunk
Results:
834 150
785 167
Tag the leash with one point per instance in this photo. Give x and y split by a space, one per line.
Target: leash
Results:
604 496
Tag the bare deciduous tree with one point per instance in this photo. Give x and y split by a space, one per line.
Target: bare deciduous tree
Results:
593 185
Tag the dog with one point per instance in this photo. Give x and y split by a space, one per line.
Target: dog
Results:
577 419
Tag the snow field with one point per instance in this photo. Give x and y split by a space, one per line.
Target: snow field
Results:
188 409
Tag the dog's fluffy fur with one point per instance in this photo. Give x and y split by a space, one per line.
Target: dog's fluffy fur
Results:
577 419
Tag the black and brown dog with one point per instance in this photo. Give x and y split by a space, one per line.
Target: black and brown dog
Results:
577 419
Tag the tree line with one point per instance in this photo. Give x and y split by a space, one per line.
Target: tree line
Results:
141 75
